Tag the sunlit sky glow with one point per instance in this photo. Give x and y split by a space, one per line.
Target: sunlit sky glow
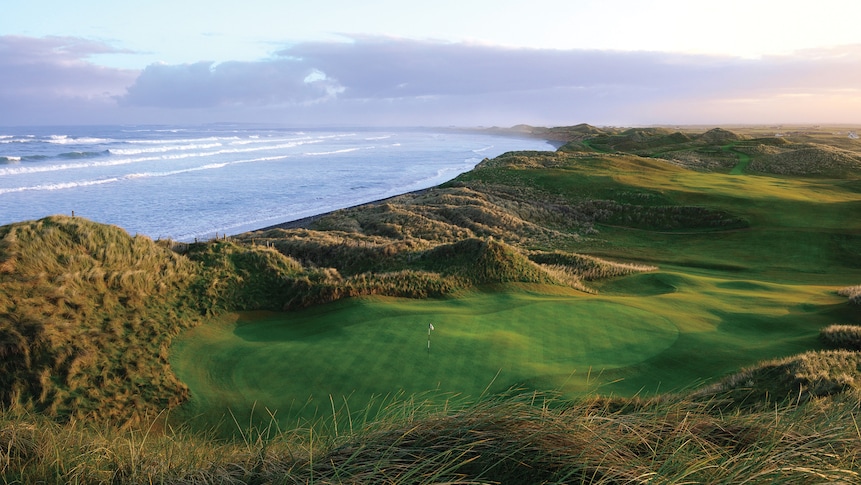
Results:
430 63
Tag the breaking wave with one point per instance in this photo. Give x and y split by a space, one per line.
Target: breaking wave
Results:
133 176
226 178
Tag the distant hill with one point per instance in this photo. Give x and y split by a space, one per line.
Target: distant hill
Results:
719 136
558 133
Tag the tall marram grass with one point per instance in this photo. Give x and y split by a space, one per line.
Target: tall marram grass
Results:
799 378
514 438
842 336
86 317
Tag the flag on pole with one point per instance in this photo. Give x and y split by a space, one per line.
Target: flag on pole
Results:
430 327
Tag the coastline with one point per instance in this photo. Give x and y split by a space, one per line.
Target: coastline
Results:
305 222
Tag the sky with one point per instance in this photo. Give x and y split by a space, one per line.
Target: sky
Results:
441 63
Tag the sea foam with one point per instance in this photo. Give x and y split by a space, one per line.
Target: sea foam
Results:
191 182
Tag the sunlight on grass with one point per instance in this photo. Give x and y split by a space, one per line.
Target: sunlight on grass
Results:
378 346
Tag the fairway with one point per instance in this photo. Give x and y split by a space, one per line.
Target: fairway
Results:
378 346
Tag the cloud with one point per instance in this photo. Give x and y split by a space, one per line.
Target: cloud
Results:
406 81
207 85
20 50
372 67
392 81
559 86
45 79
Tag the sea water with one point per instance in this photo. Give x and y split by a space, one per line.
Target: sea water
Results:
189 183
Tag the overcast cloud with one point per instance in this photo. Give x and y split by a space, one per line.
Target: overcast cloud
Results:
386 81
47 77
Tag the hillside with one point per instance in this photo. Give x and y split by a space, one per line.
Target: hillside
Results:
718 149
656 298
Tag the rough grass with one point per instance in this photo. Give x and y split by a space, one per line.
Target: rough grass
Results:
86 318
798 378
807 159
517 438
842 336
853 293
588 267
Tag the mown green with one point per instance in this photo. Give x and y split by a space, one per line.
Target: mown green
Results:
379 346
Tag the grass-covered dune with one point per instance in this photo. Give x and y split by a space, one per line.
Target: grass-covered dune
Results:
661 301
86 318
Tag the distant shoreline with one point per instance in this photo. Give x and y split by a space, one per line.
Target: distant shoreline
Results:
305 222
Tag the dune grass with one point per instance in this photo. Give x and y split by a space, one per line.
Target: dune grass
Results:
86 318
514 438
842 336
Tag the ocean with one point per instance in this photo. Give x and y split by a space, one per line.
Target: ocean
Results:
188 183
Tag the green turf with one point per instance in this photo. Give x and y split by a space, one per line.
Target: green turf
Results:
676 331
743 159
378 346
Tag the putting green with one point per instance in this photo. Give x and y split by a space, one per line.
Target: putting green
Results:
378 346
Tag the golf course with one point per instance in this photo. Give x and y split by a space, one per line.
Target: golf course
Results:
744 268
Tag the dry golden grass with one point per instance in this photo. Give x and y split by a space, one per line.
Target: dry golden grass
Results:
806 159
81 305
842 336
515 438
799 378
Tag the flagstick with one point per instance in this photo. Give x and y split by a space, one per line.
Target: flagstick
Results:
430 327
